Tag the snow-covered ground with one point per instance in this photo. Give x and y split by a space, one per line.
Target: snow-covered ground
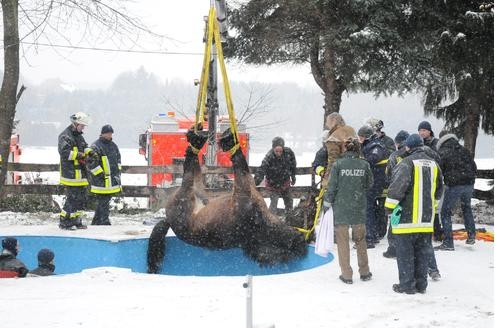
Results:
116 297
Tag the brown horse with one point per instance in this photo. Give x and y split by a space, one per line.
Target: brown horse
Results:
240 219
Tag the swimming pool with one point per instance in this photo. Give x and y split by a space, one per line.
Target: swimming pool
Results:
73 254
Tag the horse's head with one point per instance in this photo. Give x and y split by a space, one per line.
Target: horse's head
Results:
303 215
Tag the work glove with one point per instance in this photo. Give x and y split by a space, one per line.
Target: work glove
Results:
80 155
293 180
395 217
320 170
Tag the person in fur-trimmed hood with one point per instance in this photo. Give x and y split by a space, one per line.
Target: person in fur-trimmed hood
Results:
459 172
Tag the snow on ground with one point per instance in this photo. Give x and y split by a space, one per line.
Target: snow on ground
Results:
116 297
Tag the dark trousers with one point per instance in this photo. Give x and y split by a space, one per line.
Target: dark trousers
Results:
102 211
371 230
451 196
412 260
392 249
276 194
380 217
75 201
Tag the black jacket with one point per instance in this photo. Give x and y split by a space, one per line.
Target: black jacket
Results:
43 270
72 149
321 158
277 170
376 154
104 167
8 262
432 143
417 186
457 165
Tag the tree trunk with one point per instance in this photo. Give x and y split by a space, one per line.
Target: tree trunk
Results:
10 81
472 124
323 70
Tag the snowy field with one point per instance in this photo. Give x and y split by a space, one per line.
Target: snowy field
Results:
114 297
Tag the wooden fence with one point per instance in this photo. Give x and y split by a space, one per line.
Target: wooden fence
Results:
162 193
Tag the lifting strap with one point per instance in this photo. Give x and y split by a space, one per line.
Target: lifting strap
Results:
213 35
319 203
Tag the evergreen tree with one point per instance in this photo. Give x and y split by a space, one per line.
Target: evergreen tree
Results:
459 85
348 44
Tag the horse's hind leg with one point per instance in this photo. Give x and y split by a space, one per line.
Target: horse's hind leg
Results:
192 170
156 246
242 183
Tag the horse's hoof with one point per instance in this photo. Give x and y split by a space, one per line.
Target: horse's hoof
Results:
227 141
197 140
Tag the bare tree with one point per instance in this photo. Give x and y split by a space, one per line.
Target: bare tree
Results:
48 22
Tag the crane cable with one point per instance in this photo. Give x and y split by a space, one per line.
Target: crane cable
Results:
213 34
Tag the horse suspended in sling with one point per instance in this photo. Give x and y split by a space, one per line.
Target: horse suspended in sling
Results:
240 219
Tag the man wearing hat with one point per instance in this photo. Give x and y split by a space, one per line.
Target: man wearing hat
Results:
426 133
10 266
46 267
279 169
73 151
104 174
415 188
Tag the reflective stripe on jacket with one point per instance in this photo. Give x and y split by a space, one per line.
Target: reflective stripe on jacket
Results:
70 144
105 167
417 186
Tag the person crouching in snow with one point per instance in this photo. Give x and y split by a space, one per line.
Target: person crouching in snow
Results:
46 266
350 178
10 266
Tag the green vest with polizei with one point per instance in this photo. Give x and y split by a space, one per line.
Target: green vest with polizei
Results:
350 178
416 186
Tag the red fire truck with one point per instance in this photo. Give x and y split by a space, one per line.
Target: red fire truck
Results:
14 157
164 143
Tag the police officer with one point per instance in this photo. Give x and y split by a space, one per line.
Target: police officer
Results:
104 167
73 151
416 187
349 177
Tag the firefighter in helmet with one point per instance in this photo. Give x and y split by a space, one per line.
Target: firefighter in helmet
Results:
73 151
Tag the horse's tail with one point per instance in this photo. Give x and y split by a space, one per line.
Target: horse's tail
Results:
156 246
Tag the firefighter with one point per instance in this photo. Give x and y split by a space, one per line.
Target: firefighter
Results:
377 155
73 151
414 191
104 167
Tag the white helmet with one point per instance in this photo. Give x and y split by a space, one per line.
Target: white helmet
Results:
80 118
375 123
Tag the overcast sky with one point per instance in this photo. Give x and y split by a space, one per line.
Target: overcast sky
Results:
180 20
